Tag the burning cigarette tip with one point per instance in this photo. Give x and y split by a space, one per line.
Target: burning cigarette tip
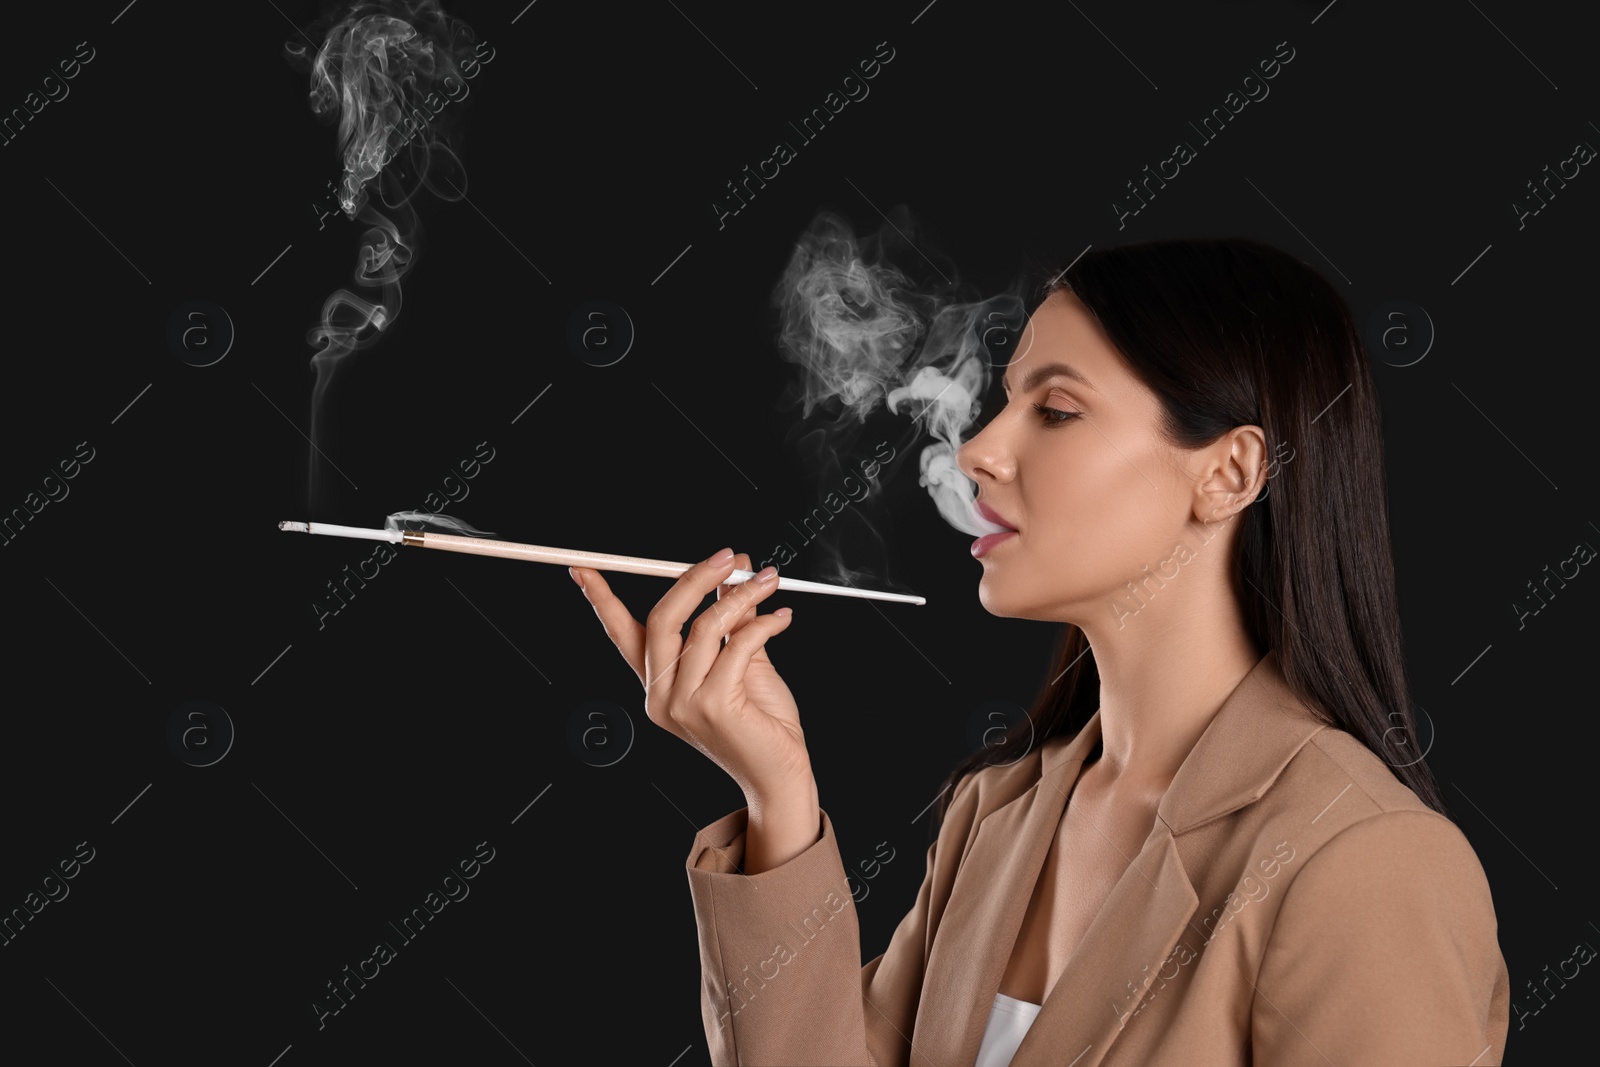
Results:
294 527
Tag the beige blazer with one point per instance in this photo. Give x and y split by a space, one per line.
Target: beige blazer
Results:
1293 904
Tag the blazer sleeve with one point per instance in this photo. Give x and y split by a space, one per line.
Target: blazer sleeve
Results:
1384 954
780 958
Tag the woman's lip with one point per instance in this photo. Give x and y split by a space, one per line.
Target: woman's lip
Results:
992 516
988 541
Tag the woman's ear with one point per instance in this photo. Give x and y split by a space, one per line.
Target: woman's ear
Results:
1233 474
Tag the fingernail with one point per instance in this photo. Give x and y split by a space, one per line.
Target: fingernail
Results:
783 612
725 556
767 575
576 578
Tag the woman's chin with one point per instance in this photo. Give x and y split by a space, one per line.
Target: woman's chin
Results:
1005 603
994 600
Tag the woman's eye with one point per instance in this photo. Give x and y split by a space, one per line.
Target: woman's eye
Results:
1053 416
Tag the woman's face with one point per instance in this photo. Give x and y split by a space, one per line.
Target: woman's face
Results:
1096 497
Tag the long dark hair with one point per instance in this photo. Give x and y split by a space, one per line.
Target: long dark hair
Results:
1233 332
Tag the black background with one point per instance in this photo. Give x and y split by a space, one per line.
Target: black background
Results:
429 713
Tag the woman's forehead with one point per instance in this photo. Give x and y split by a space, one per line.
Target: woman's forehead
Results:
1061 330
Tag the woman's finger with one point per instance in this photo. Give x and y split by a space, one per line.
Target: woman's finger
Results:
729 670
740 562
705 636
663 627
620 625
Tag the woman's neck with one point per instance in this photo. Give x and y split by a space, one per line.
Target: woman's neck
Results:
1160 689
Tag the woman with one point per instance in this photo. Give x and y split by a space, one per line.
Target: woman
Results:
1224 848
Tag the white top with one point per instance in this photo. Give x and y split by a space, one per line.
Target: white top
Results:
1009 1020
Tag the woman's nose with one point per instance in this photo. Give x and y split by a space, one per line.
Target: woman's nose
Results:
985 452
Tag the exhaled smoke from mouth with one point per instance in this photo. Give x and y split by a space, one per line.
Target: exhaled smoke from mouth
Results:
850 324
865 334
377 64
945 396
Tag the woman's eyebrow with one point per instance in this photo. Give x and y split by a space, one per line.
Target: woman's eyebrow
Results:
1041 374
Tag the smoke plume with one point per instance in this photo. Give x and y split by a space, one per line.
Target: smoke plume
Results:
866 333
378 62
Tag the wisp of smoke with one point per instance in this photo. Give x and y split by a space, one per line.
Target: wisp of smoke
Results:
864 334
378 61
434 518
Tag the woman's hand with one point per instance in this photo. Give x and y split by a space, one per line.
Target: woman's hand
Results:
726 700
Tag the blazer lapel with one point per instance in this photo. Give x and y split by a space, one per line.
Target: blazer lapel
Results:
1258 729
988 899
1115 963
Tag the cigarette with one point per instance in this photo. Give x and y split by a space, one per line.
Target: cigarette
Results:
570 557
